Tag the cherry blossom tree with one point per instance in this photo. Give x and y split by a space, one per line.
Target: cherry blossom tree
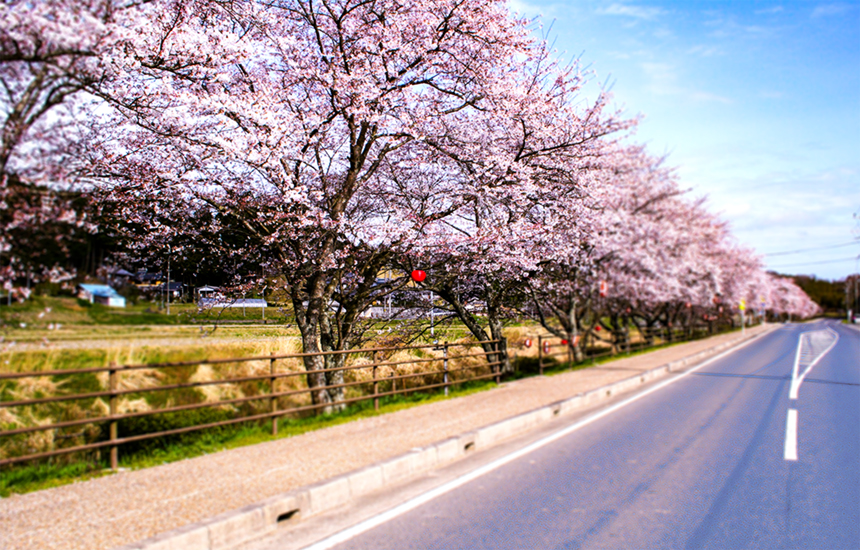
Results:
321 142
49 55
297 118
527 169
618 248
786 299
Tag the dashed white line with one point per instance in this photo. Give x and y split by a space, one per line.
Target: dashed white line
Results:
791 435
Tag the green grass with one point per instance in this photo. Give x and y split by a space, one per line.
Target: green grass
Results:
43 310
29 478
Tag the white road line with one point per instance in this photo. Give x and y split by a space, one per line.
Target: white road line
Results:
409 505
791 435
794 369
796 380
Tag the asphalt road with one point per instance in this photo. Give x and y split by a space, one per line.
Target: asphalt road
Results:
701 463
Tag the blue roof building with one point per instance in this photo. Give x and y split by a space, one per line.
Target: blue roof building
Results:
101 294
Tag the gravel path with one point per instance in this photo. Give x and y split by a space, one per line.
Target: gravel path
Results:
130 506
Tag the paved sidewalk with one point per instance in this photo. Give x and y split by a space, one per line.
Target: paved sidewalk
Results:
130 506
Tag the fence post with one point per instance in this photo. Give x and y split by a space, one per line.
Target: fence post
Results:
540 355
497 369
445 367
569 350
375 384
273 400
113 384
627 335
594 338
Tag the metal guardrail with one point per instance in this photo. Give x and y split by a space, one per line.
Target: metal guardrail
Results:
443 372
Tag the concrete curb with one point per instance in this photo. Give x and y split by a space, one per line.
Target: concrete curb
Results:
232 528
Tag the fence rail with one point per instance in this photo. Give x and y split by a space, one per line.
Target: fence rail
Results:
449 364
262 388
553 347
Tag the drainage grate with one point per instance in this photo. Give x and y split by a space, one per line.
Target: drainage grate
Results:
287 516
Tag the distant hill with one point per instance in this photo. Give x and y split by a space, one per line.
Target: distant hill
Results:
830 295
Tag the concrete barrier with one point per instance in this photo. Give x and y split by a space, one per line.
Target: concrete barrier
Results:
232 528
329 494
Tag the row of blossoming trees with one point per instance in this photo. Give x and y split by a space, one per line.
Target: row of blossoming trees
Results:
325 141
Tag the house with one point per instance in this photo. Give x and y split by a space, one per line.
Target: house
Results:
148 283
220 302
101 294
173 288
207 291
210 297
146 278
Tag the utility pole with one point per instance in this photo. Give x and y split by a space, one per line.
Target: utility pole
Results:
852 300
432 317
168 281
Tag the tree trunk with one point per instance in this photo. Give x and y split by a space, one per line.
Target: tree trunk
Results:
333 361
311 318
573 332
617 333
315 367
626 320
496 333
649 331
472 323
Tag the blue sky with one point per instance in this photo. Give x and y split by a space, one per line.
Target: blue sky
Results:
757 104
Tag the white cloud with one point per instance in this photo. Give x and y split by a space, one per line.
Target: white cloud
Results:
660 72
769 94
757 29
825 10
524 8
663 81
836 175
637 12
706 51
784 210
707 97
767 11
729 27
619 55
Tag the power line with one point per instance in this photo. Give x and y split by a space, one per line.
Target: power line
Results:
812 249
852 258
